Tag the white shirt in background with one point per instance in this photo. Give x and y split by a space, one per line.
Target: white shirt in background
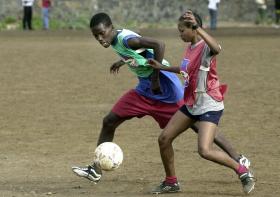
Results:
213 4
27 2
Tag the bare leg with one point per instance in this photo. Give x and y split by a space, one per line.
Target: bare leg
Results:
222 142
110 123
206 150
178 124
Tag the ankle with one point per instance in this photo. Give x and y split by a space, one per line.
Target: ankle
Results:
241 169
171 180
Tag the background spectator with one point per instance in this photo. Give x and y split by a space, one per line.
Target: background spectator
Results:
213 11
27 14
277 13
46 4
262 7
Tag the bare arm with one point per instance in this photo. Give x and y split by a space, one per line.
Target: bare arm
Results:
114 69
211 42
158 48
156 65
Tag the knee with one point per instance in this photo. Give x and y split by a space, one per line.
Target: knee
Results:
109 121
204 152
164 141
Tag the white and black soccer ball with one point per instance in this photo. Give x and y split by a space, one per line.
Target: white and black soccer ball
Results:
108 156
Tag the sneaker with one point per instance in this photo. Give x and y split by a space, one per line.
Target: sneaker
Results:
244 161
248 181
89 172
166 188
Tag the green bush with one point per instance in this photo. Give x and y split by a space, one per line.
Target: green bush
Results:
10 20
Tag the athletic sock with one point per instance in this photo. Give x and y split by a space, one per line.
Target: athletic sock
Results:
171 180
241 169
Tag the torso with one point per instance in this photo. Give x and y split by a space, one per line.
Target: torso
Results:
199 56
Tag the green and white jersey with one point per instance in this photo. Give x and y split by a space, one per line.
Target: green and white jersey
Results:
137 60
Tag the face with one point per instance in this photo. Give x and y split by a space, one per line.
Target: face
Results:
103 34
186 34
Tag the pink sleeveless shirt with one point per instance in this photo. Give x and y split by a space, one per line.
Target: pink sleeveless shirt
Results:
214 89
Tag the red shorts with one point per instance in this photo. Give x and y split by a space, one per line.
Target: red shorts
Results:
132 104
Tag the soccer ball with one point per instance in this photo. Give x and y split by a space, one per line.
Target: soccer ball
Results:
108 156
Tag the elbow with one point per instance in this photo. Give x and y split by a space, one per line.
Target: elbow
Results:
217 50
162 46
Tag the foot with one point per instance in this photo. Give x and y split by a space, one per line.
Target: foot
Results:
90 172
248 181
166 188
244 161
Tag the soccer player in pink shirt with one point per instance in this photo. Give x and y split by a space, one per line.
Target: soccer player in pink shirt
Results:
204 105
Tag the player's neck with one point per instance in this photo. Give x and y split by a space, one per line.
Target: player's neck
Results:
114 39
195 40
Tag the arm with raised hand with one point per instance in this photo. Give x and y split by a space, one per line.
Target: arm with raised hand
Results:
211 42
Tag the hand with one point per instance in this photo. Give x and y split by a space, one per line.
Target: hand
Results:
114 69
189 17
155 64
155 86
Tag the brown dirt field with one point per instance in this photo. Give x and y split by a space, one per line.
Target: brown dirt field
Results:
56 88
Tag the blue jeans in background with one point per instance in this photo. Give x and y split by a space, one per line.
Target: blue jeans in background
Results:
213 19
45 13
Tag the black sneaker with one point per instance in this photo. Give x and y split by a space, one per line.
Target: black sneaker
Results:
90 172
166 188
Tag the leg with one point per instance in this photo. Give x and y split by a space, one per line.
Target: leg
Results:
212 19
43 18
30 20
128 106
47 18
110 123
45 13
29 17
277 18
215 15
178 124
206 135
222 142
24 19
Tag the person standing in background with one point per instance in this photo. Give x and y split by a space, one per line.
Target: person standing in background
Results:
46 4
277 13
213 12
27 14
261 17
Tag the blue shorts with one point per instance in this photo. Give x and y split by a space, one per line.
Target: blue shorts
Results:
211 116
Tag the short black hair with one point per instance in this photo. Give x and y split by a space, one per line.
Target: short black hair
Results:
100 18
196 16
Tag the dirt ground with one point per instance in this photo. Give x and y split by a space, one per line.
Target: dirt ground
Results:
56 88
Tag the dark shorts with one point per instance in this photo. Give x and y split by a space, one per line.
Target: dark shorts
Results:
211 116
132 104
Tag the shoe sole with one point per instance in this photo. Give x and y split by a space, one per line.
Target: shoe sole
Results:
166 192
81 173
251 189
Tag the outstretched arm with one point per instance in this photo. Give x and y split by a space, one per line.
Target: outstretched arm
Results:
156 65
158 48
